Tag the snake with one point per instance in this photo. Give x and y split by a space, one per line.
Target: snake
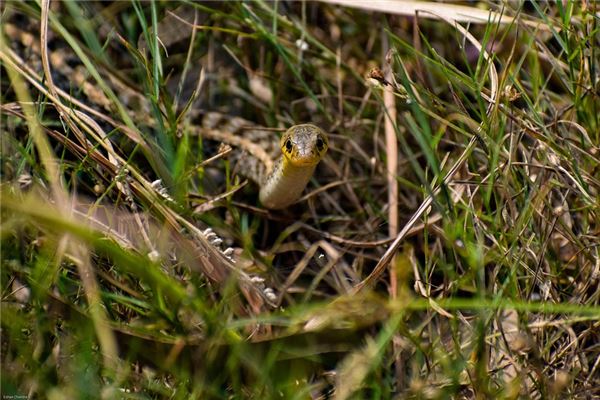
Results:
302 147
281 172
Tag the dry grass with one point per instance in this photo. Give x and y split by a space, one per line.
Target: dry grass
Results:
448 246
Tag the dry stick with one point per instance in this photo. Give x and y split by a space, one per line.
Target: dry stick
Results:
425 206
391 145
435 10
210 204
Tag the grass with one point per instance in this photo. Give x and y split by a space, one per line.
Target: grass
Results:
479 279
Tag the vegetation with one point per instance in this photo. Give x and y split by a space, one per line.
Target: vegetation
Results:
447 247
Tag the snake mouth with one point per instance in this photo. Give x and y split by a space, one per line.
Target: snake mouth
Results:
304 160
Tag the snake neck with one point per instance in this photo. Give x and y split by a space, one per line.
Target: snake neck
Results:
284 184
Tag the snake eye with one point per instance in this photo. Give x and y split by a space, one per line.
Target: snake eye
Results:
288 146
320 143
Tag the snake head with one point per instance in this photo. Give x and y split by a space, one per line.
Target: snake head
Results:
304 145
